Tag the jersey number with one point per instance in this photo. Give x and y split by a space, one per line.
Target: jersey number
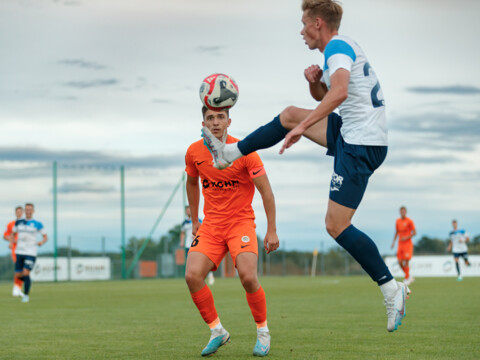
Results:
376 102
195 241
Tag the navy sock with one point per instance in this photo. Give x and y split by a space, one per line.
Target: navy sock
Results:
458 268
264 137
26 284
364 250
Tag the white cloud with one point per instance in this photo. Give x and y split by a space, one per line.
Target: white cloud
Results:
153 55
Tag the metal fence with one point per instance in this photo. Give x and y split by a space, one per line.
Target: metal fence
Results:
279 263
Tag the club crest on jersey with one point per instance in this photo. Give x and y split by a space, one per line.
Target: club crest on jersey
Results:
337 181
245 239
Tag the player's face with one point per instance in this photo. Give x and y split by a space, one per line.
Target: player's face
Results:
28 212
310 31
403 212
19 213
454 224
217 122
188 213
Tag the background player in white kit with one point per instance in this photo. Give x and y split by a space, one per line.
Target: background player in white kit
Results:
458 245
186 239
26 251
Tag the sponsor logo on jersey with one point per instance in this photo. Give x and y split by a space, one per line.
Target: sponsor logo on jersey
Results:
220 185
245 239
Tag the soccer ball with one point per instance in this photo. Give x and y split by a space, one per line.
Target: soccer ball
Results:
218 92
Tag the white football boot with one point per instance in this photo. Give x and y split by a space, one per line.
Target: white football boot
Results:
215 147
396 306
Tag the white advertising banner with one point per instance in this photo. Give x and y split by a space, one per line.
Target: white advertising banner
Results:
92 268
43 269
81 268
435 266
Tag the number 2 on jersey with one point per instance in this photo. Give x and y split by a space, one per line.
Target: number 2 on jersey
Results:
376 102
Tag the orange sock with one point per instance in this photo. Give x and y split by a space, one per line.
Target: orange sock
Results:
407 272
18 282
258 306
203 299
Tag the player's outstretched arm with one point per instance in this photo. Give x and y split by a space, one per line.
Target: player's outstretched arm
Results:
44 240
394 239
271 242
334 97
313 74
193 195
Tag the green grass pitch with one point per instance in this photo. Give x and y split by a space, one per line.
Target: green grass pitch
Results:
309 318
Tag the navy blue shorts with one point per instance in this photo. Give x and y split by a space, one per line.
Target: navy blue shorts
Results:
352 165
24 262
464 255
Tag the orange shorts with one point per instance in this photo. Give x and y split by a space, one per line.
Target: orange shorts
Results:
215 241
405 252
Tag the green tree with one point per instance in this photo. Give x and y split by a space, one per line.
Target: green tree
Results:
427 245
170 241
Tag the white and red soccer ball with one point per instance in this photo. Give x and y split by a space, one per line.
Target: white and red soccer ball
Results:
218 92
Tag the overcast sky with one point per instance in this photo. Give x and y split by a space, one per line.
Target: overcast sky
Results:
95 84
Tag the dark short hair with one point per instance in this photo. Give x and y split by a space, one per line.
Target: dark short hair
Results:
18 207
29 204
454 220
205 109
403 207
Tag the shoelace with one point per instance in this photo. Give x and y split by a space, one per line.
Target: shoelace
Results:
390 306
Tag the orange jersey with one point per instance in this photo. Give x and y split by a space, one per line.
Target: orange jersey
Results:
8 232
227 193
404 227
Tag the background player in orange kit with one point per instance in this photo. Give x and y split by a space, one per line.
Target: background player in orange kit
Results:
404 230
17 283
228 226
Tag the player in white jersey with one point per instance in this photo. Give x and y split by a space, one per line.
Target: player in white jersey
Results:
357 138
26 251
186 239
458 245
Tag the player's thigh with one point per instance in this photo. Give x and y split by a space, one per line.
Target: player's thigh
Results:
19 264
198 264
292 116
242 238
210 241
247 265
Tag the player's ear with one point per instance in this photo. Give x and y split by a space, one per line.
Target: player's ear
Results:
203 123
229 122
318 22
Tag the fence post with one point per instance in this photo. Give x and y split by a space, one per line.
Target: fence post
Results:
69 266
54 221
122 211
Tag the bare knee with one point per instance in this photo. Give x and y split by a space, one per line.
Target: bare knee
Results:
334 228
250 282
288 118
194 281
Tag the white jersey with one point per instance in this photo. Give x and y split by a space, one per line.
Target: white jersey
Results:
363 111
27 231
458 238
187 230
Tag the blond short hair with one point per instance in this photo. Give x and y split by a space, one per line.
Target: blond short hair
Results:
329 11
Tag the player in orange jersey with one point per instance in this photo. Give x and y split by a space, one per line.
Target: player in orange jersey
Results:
228 226
404 230
17 283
